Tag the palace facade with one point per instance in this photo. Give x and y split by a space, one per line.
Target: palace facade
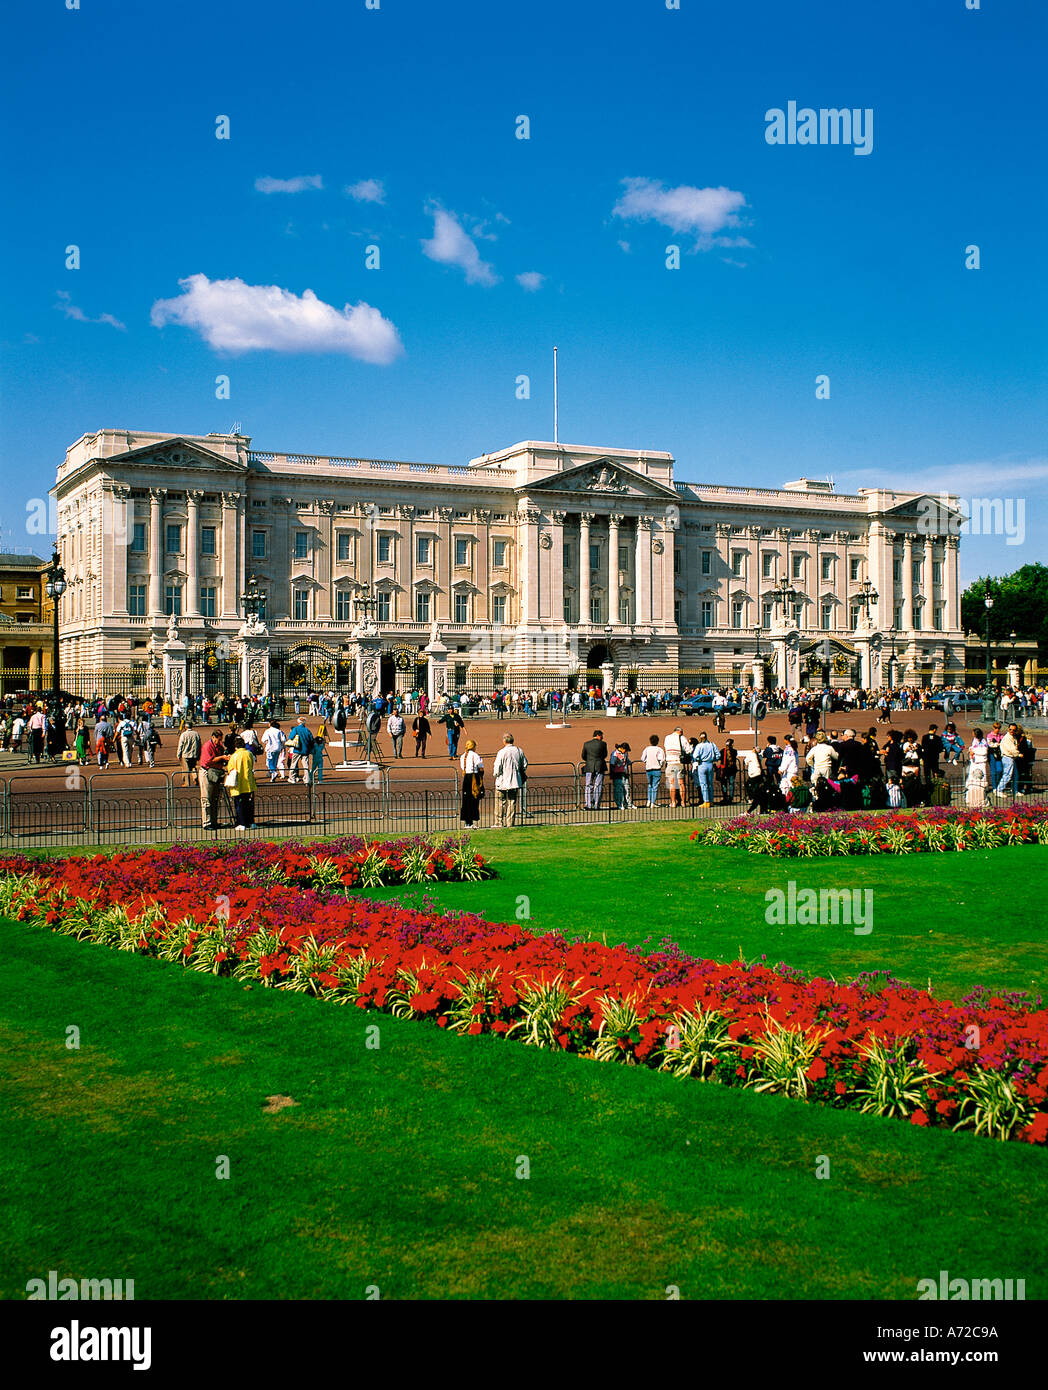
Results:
537 565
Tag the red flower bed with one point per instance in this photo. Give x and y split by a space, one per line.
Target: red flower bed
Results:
872 1044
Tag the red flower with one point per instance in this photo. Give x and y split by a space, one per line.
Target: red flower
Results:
817 1070
918 1118
840 1088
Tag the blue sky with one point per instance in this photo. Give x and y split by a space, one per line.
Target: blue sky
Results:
396 128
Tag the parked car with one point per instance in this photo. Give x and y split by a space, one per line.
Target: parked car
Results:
960 702
703 704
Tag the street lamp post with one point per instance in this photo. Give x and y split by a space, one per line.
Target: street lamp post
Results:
252 600
988 699
55 587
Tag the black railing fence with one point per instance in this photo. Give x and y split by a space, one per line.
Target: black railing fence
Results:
142 807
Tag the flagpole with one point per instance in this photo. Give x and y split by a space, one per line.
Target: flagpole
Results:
556 437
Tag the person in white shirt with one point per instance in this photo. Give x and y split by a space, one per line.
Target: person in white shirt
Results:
788 768
754 773
395 727
896 800
273 741
654 759
676 747
510 772
822 756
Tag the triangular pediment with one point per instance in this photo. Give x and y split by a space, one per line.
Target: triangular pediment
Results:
601 478
932 513
177 453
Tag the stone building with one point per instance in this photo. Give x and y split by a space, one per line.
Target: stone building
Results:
537 565
26 625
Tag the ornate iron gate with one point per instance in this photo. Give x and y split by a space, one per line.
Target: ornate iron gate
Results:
309 666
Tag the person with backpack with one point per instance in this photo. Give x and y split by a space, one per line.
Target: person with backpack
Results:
727 772
798 795
300 742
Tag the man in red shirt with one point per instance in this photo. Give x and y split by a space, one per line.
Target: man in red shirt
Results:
210 774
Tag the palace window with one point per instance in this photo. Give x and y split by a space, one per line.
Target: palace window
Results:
567 609
768 564
937 618
624 557
937 572
676 611
596 615
343 605
798 614
258 545
138 537
706 564
676 561
738 561
345 547
624 610
301 545
827 567
173 600
421 606
301 605
207 601
136 600
897 617
826 617
567 556
736 614
853 616
498 554
767 612
462 608
916 617
594 556
855 565
423 548
24 591
384 608
174 540
385 550
207 540
707 612
461 551
916 574
896 571
798 566
498 608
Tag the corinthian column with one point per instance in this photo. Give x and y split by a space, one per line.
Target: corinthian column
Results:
644 569
192 551
156 553
613 569
584 566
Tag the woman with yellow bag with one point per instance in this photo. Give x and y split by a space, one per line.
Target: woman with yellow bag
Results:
241 785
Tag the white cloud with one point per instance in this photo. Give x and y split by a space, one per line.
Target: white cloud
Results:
367 191
703 212
976 478
230 315
624 246
531 280
71 311
450 245
295 185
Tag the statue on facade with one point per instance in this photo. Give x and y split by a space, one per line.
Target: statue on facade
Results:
172 628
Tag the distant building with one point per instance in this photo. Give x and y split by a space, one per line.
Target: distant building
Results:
538 565
26 624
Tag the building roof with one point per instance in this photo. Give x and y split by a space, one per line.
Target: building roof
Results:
9 560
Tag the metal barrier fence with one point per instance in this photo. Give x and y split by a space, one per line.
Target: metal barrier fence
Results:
152 809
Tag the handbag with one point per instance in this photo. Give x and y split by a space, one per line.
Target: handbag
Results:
478 785
231 777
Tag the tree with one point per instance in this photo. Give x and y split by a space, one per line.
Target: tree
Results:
1020 604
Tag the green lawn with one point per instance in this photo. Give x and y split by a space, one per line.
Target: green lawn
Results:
957 920
397 1168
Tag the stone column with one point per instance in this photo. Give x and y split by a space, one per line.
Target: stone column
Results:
323 558
584 567
193 497
644 569
227 549
907 584
369 654
875 572
241 550
116 533
254 663
669 590
156 552
557 556
174 655
436 669
614 522
951 551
